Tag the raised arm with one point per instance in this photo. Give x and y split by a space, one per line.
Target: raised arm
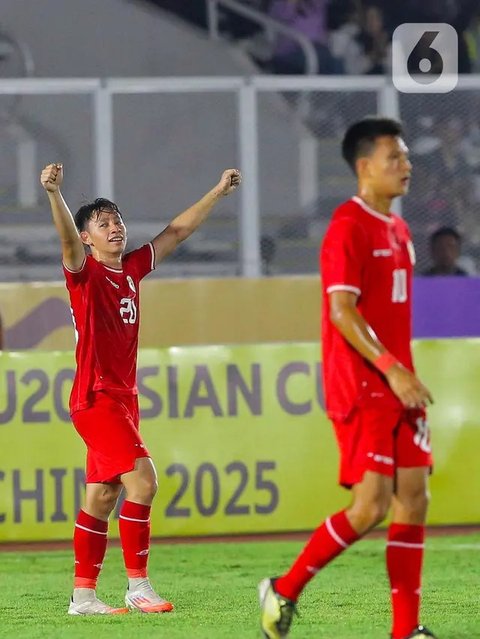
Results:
187 222
352 325
73 251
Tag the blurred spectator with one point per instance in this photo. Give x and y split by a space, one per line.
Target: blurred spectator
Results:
445 249
361 42
308 17
441 146
466 11
458 13
472 39
374 41
238 26
1 334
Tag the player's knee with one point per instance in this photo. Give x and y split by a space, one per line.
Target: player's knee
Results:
101 504
368 514
144 490
376 512
416 504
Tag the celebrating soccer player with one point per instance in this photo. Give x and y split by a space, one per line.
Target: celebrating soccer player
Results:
374 398
104 294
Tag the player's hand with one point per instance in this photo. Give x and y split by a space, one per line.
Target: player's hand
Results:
231 178
52 177
408 388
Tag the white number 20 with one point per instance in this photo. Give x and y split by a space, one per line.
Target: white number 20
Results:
399 290
128 310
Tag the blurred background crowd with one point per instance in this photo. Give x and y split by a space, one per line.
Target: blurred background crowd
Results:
350 38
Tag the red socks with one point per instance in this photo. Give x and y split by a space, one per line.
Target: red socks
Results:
327 542
89 545
134 525
404 565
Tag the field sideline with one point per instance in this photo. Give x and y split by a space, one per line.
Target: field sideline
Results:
213 586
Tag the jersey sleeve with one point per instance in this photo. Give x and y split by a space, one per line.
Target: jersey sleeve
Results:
342 257
77 278
142 260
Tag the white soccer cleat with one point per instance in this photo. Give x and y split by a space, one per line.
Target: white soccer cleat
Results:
276 611
146 599
94 607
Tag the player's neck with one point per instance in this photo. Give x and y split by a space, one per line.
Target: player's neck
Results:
113 261
380 203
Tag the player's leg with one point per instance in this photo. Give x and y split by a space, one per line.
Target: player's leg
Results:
405 549
366 447
134 523
370 504
406 534
90 544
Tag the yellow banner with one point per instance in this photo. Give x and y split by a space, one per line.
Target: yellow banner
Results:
37 315
238 435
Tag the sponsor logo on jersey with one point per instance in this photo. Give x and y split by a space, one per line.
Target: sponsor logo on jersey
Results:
387 252
112 282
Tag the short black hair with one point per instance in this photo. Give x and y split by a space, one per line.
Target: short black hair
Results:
445 231
92 210
360 137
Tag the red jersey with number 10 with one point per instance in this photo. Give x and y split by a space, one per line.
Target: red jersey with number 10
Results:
106 311
371 255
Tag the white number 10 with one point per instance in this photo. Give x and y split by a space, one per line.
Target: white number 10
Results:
399 291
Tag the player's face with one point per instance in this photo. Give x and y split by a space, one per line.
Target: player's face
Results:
106 233
446 251
388 167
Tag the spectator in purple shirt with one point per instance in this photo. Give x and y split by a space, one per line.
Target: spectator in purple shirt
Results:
308 17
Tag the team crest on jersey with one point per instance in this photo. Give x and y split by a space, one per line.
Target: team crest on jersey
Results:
411 252
131 283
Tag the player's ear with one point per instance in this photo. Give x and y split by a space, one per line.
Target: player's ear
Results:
85 237
362 166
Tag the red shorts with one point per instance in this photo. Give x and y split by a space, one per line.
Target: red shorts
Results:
109 428
381 441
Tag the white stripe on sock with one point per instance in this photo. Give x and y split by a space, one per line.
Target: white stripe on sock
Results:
142 521
334 535
97 532
404 544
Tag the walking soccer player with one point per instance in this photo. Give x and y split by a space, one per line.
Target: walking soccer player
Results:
374 399
104 295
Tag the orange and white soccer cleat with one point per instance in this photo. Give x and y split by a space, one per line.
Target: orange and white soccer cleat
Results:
145 599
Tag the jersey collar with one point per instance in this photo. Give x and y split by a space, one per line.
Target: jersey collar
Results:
112 270
370 211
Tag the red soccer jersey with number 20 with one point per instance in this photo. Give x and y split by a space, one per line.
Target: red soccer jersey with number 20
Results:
106 311
372 255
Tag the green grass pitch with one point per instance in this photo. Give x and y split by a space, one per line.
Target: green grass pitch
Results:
213 587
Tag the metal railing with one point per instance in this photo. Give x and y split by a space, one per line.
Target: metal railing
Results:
300 156
311 60
11 122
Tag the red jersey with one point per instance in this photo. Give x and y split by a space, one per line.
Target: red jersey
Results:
372 255
105 307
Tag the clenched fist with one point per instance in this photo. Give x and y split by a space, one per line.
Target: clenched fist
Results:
51 177
231 178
